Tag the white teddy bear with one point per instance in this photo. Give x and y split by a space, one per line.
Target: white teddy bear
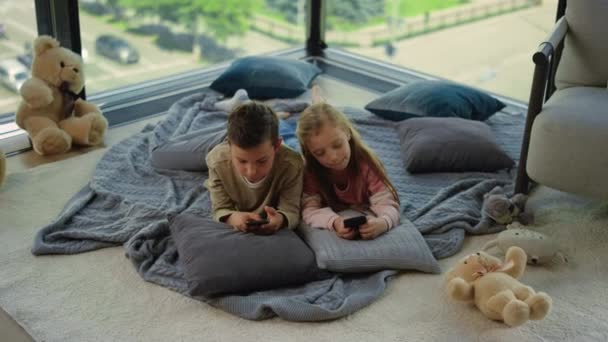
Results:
540 248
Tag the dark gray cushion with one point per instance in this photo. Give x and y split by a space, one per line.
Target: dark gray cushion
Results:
435 98
266 77
187 152
402 248
218 259
450 145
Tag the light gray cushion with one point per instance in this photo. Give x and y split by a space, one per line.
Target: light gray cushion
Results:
187 152
218 259
585 55
569 144
402 248
450 145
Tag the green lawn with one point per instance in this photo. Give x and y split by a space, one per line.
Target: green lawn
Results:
405 8
411 8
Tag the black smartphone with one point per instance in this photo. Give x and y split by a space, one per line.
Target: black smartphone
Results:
256 223
355 222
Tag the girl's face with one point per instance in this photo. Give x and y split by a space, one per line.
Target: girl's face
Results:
330 147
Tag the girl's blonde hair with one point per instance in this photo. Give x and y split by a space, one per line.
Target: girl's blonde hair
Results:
310 122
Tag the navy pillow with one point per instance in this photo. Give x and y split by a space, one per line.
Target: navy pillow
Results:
435 98
266 77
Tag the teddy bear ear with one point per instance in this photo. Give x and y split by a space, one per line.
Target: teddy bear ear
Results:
43 43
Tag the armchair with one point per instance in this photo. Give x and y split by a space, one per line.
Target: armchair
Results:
565 143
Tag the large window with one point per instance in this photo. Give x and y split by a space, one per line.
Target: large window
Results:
484 43
17 30
138 43
131 41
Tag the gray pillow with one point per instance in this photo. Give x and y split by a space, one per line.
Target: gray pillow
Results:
218 259
450 145
187 152
403 248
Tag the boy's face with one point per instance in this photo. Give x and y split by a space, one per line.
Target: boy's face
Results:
254 163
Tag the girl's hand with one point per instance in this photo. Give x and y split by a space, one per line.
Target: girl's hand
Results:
343 232
275 222
238 220
374 227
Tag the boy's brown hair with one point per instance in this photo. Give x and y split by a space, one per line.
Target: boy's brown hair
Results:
251 124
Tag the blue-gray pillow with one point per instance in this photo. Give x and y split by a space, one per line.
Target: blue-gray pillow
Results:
401 248
435 98
217 259
450 145
266 77
188 152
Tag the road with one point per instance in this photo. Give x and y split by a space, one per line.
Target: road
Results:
493 54
102 73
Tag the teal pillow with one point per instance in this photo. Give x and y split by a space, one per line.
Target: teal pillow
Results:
435 98
266 77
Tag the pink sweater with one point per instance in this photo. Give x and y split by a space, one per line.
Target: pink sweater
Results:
374 196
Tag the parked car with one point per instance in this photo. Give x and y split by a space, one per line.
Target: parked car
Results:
13 74
116 48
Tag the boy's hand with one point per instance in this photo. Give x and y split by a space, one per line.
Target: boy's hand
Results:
275 222
238 220
374 227
343 232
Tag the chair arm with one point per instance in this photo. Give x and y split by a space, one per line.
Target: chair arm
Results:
541 80
548 47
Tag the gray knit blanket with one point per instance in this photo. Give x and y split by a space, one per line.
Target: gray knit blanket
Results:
127 202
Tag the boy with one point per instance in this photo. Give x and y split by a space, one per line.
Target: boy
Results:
253 173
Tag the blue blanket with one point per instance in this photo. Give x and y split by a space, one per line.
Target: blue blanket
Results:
127 202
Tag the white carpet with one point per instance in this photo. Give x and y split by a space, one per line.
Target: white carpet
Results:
99 296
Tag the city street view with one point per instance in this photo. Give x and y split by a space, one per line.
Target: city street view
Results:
483 43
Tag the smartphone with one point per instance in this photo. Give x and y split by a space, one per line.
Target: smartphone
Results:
256 223
355 222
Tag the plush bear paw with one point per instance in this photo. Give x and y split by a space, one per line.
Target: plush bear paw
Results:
99 124
540 304
51 140
87 130
459 289
43 97
516 313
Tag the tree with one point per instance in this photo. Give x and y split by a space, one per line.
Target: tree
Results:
355 11
288 8
219 18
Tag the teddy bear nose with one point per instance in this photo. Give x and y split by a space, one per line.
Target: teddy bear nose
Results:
75 70
534 261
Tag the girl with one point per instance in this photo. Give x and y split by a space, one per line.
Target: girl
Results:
342 172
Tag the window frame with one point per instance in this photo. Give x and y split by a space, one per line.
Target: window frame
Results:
125 104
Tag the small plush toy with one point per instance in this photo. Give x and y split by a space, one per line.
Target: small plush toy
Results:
51 111
498 210
494 288
539 248
2 167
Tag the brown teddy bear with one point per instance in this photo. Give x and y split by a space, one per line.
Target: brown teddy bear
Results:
494 288
51 111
